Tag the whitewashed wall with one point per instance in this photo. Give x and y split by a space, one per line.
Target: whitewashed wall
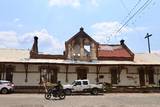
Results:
157 75
19 75
104 70
127 78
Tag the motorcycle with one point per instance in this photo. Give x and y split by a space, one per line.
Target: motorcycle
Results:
55 93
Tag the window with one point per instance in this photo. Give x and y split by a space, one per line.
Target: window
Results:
85 82
87 48
78 83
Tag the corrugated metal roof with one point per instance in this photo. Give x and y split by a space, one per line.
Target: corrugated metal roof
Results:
146 58
13 55
22 56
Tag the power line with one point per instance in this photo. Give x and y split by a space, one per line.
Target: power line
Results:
138 11
128 14
123 4
134 7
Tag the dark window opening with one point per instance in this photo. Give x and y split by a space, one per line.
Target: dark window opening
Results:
81 74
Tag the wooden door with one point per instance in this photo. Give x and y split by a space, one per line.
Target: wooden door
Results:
150 73
142 77
9 74
82 74
53 76
114 76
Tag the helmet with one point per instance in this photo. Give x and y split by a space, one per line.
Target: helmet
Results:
59 82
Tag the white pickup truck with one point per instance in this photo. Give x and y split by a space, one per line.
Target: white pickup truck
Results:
83 86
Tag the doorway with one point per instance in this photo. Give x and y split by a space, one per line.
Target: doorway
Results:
9 73
114 75
82 73
141 76
49 74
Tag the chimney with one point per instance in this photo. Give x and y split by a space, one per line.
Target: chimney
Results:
122 42
81 29
35 45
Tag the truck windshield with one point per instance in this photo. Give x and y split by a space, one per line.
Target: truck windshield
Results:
76 83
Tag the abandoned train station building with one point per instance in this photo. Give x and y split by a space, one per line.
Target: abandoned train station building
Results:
83 58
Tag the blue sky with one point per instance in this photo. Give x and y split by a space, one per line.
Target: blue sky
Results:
55 21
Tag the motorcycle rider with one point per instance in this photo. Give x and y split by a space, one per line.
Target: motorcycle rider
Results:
58 86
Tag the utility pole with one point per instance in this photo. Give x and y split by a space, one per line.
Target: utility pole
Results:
147 37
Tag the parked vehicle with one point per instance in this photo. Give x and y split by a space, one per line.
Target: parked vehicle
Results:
6 87
55 93
83 86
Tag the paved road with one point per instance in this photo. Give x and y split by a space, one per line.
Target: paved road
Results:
107 100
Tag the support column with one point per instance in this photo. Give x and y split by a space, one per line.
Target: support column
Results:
4 70
67 73
26 71
97 72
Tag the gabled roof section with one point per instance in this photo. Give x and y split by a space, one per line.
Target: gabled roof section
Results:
81 34
115 52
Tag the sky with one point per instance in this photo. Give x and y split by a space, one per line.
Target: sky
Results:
56 21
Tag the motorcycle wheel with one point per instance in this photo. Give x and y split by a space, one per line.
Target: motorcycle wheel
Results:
47 96
62 95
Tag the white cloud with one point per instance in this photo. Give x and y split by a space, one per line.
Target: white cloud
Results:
108 29
94 2
73 3
17 23
47 43
8 39
16 20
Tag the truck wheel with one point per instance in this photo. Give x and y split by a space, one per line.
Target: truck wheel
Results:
94 91
68 92
4 91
